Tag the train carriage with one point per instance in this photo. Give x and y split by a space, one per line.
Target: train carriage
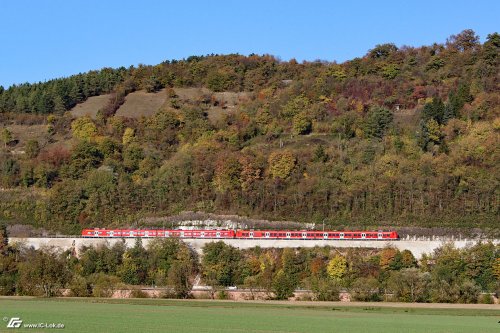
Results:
307 234
241 234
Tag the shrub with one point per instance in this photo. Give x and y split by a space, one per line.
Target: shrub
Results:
366 290
138 293
485 299
222 295
80 287
104 285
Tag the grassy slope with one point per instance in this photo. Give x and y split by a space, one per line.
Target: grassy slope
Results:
141 103
90 106
95 315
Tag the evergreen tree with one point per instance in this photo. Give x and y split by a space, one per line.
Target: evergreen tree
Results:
378 121
434 110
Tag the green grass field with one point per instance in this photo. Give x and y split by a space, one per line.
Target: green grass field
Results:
151 315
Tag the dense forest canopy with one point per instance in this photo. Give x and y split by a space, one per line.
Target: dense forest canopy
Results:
403 136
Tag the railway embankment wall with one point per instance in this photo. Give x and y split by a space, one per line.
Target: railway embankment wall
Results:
417 246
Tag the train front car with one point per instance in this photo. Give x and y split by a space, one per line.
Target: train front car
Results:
394 235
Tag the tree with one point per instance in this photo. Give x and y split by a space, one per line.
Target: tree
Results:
382 51
281 164
251 283
128 136
378 121
433 131
84 129
80 286
390 71
456 101
496 268
407 259
9 271
4 238
84 157
469 292
387 257
449 264
8 264
295 106
325 290
181 270
220 264
320 154
219 81
491 48
134 269
480 260
227 173
365 289
344 126
104 285
44 274
337 267
293 264
6 136
467 40
283 285
179 278
409 285
434 110
32 148
9 171
302 124
152 84
132 156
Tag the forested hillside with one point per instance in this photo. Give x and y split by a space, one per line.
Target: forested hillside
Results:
404 136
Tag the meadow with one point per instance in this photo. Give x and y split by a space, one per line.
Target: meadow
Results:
158 315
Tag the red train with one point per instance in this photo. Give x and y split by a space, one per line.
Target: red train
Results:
240 234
